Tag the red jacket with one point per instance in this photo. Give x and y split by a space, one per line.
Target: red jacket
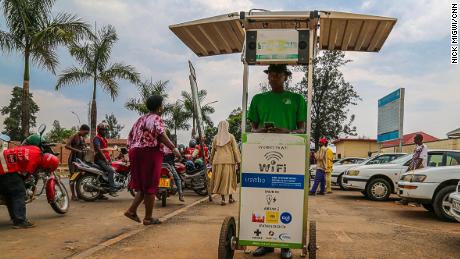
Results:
23 159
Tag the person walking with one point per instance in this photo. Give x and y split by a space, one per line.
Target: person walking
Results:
77 146
225 157
321 160
146 158
329 168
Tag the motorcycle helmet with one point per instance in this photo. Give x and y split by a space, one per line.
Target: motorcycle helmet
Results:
192 143
181 147
33 140
189 166
199 163
49 162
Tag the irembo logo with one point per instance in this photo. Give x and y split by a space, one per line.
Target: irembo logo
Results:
272 158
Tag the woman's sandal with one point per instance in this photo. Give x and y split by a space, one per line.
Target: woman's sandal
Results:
231 201
223 203
132 216
152 221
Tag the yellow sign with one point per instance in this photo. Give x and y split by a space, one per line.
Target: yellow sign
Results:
272 217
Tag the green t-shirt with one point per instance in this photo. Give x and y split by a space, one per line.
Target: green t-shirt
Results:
283 109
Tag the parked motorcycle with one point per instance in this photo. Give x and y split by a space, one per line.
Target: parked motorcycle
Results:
52 185
165 186
194 179
91 181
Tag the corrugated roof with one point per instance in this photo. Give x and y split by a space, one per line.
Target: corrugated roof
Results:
408 139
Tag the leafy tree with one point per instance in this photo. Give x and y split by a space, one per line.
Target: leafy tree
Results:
58 134
34 33
332 97
93 57
13 125
206 110
147 89
209 133
177 119
114 127
234 121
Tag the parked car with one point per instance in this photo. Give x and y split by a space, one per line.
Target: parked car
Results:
431 187
454 199
340 169
377 182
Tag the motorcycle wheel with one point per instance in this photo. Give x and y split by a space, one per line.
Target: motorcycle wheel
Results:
83 191
164 195
202 192
61 203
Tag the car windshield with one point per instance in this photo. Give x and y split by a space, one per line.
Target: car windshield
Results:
401 160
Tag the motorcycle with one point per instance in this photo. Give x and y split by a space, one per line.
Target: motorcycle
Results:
91 181
194 179
165 186
56 193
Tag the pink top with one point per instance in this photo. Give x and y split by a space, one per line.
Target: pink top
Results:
145 131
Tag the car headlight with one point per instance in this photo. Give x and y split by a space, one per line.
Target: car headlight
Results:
417 178
353 172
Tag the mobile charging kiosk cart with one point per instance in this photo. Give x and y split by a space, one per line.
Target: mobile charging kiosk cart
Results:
273 209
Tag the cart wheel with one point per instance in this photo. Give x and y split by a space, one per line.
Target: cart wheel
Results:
227 236
312 241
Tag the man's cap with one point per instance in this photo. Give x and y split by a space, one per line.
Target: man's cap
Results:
278 68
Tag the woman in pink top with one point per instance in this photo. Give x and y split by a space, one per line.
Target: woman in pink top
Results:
146 157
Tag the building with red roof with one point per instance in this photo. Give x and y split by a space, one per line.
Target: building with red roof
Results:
408 139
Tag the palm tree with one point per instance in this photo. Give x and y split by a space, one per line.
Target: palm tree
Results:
177 119
206 110
147 89
36 34
93 57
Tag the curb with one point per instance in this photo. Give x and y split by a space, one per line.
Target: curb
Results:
130 233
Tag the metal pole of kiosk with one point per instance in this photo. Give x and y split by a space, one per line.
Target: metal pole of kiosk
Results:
309 74
243 119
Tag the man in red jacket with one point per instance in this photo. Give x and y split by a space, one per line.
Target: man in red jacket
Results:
14 163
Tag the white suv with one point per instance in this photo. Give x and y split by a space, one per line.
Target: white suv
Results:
377 182
431 187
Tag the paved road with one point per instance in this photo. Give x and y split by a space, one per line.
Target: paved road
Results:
85 225
349 226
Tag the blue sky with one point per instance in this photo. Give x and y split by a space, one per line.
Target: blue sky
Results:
415 56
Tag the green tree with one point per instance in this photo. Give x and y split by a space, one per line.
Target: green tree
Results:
34 33
58 134
114 127
147 89
206 110
13 125
93 57
209 133
177 119
234 121
332 97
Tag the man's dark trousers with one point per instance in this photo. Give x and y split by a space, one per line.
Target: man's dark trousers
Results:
320 179
13 189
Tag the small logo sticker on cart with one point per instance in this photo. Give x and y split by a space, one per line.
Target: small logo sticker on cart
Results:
286 217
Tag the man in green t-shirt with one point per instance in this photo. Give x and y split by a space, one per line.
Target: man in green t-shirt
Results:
277 111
